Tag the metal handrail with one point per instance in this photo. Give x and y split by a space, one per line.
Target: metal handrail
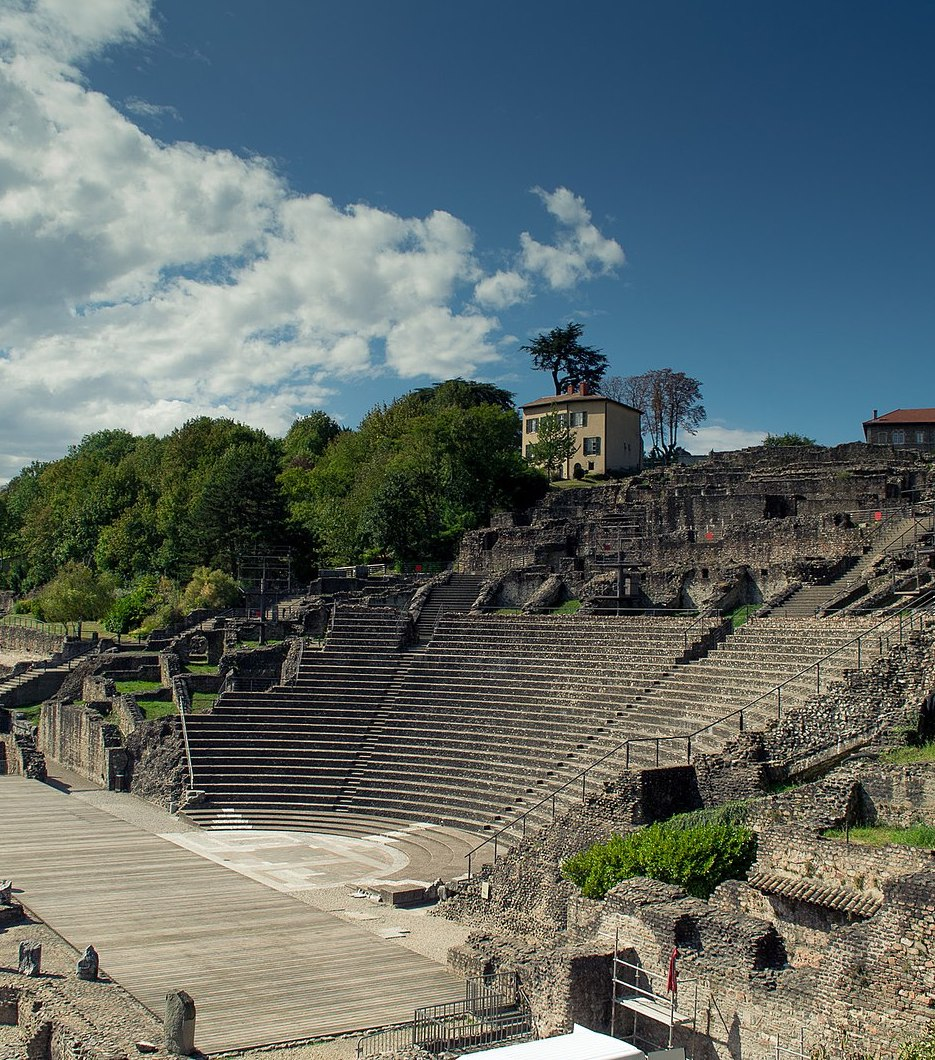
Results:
184 726
891 546
298 662
624 745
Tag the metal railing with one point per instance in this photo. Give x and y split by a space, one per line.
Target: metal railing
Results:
494 1010
901 620
184 726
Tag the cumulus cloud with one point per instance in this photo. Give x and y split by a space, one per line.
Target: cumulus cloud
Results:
501 290
145 283
718 438
580 252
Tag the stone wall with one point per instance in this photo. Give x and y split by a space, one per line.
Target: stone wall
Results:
156 765
30 639
750 524
78 736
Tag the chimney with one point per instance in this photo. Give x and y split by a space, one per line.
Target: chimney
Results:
585 389
874 414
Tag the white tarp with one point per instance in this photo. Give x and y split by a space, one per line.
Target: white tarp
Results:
581 1044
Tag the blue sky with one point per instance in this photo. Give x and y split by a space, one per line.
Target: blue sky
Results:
255 210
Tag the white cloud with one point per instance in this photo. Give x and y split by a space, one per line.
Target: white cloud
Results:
155 111
144 283
580 252
501 290
456 342
719 439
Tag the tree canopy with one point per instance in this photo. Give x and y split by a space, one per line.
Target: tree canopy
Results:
405 484
569 362
670 402
780 441
555 443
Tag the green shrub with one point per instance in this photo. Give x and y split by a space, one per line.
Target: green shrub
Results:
214 589
695 851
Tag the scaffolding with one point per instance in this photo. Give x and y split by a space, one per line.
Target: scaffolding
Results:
619 547
641 995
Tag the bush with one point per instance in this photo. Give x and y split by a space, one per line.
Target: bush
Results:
695 851
214 589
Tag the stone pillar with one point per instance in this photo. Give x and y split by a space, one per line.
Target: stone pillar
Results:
30 958
88 965
180 1023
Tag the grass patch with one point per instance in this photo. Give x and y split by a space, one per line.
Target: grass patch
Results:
904 756
30 713
575 484
202 702
742 613
152 710
131 688
569 607
257 644
508 611
202 668
879 835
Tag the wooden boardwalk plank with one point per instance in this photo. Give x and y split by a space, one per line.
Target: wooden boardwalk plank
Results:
261 966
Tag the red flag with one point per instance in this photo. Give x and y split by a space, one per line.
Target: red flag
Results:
672 982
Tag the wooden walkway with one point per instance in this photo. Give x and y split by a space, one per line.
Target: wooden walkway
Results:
261 967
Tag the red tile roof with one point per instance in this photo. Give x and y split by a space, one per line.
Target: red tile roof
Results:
558 399
905 416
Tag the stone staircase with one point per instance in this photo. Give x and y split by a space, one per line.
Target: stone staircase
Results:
445 733
740 674
456 596
810 599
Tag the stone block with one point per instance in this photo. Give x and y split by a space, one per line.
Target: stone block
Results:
179 1023
30 958
87 966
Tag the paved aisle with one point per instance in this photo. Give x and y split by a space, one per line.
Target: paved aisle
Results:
262 967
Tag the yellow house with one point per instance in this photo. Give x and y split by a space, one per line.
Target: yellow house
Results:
607 432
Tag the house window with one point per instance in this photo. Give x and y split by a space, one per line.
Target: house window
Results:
920 437
561 418
578 419
529 452
899 437
592 446
532 425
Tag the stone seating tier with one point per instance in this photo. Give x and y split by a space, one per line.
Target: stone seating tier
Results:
491 714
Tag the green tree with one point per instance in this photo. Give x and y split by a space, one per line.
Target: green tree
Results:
569 362
780 441
555 443
76 594
240 507
214 589
308 437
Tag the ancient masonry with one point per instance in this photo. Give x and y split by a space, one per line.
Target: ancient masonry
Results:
538 733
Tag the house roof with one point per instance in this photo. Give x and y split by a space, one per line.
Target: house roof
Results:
558 399
904 416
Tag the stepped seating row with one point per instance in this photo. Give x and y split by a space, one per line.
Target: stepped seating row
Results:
475 728
309 739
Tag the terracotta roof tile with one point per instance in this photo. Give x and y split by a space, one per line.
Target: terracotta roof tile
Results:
831 896
905 416
557 399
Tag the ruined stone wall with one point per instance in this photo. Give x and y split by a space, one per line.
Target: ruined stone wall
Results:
30 639
78 736
778 519
156 767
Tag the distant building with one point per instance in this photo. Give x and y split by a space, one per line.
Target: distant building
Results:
906 428
607 432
